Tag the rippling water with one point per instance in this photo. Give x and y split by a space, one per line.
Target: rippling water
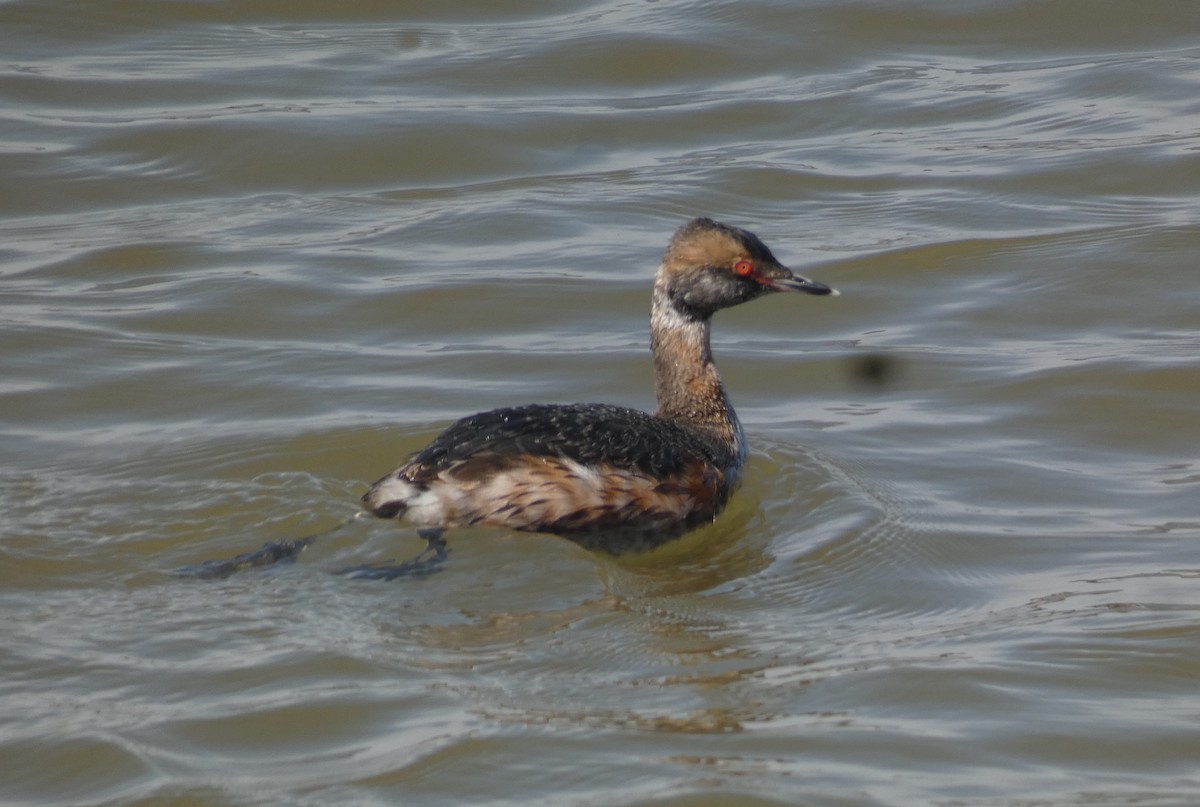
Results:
253 254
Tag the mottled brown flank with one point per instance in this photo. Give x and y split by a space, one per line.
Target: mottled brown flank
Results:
604 507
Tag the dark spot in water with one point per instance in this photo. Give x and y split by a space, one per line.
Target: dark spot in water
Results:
875 370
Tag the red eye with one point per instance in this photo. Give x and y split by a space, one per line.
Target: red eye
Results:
743 268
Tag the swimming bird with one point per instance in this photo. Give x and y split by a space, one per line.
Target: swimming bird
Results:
607 477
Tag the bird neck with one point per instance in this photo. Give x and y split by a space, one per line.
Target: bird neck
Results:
686 382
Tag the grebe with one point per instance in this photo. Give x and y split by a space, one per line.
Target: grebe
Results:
606 477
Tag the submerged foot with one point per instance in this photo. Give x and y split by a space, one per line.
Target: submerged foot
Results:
269 554
427 562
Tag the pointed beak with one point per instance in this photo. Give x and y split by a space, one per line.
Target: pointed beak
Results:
792 282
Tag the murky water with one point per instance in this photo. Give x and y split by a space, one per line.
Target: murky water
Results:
253 254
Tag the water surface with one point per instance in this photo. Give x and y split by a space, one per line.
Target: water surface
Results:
251 255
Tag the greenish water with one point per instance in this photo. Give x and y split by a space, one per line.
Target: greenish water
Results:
251 255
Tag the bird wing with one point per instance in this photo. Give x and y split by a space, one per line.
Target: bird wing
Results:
587 433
